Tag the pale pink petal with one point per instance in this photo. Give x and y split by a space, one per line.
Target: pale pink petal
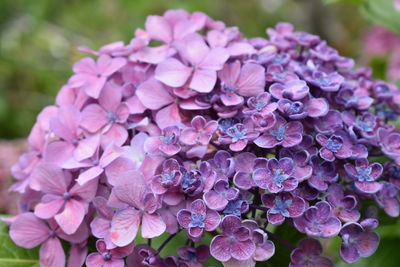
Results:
48 178
251 81
193 48
85 192
203 80
77 255
94 260
87 65
124 226
168 116
135 105
28 231
152 225
111 152
72 216
215 59
89 174
107 65
50 209
230 73
158 29
94 85
58 152
131 188
153 94
116 134
52 253
172 72
87 147
94 117
153 55
110 96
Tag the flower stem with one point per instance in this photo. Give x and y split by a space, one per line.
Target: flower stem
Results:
167 241
254 206
280 239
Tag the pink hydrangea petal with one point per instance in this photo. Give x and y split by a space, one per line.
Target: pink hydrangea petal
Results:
230 73
168 116
87 147
107 65
94 259
89 174
124 226
48 178
188 136
94 117
58 152
28 231
116 134
172 72
94 85
110 96
77 255
215 59
251 81
87 65
131 188
85 192
100 227
153 55
203 80
152 225
48 210
52 253
158 29
71 217
193 48
135 105
153 94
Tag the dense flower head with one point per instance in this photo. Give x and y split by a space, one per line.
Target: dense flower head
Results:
191 129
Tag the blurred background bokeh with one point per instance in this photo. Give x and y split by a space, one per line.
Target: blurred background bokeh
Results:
38 40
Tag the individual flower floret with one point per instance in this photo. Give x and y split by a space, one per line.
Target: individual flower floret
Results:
105 257
318 221
365 175
308 254
283 133
198 218
200 131
282 206
235 241
357 242
278 176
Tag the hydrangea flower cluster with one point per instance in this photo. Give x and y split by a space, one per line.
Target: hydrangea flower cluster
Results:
192 128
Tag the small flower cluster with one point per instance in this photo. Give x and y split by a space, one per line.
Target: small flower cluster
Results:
193 129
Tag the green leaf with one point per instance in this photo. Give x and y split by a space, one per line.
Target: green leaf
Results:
382 12
13 256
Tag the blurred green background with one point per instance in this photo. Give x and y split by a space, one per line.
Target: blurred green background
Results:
38 40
